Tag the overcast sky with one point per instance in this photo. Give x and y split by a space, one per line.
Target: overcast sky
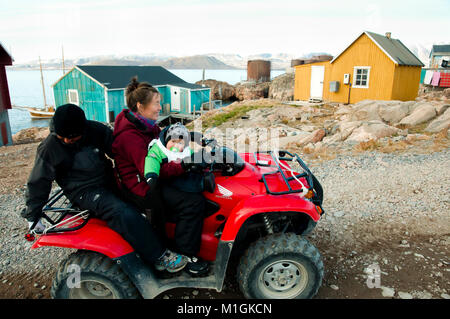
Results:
29 28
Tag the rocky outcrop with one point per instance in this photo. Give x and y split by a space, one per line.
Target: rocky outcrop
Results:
219 90
282 87
440 123
372 130
252 91
422 113
30 135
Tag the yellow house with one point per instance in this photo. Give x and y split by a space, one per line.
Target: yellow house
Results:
373 67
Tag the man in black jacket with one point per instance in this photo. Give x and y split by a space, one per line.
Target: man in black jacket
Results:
73 155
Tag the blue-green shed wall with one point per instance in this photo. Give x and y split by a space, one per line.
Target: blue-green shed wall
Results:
91 95
165 96
198 98
116 101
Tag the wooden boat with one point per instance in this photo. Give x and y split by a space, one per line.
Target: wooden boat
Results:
48 111
45 113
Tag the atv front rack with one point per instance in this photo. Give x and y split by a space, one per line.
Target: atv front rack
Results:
282 155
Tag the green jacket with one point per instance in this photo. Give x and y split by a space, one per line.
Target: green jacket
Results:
159 154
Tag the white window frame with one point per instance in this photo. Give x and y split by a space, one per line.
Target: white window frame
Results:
78 98
355 70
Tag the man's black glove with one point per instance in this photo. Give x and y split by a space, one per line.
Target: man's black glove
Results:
197 162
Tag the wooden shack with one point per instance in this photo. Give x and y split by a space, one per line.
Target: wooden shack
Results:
100 90
373 66
5 100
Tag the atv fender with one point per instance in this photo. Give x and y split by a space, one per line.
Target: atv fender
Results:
263 204
94 236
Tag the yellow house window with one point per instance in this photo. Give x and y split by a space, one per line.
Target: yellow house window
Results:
361 76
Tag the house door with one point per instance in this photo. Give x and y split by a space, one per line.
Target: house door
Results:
317 75
175 98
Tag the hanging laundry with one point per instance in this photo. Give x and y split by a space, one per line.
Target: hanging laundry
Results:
445 80
428 76
435 79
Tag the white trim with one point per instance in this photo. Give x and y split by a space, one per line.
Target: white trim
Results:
78 96
75 67
106 106
202 89
189 101
65 74
354 77
381 48
93 79
378 45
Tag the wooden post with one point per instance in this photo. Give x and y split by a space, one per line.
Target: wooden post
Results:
63 66
42 82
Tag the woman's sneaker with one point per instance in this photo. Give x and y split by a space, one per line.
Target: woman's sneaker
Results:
197 267
170 261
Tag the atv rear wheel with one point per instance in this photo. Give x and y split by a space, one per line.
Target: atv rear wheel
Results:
280 266
90 275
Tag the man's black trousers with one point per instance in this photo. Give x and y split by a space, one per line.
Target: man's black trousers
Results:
125 219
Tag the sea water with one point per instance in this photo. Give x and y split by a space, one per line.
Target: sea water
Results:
26 90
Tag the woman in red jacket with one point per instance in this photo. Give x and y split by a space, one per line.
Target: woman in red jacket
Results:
134 129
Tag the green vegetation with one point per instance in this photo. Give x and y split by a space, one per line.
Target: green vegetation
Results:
232 114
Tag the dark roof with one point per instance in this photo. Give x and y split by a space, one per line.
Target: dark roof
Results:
190 86
441 48
396 50
5 57
393 48
118 77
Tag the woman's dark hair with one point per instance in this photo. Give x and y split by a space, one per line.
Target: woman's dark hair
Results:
139 92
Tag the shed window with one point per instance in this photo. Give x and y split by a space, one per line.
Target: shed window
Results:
361 76
73 97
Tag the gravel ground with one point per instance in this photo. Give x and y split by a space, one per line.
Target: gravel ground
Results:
387 210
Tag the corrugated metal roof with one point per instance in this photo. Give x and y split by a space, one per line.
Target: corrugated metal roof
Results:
393 48
118 77
396 50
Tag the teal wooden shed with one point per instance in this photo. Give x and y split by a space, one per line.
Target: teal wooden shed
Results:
100 90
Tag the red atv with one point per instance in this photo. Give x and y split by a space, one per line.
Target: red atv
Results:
259 212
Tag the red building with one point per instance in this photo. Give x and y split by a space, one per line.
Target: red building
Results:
5 100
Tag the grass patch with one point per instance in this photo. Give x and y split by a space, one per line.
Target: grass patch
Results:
230 115
370 145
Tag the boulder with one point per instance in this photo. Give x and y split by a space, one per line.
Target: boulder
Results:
30 135
441 108
346 128
313 137
219 90
252 91
422 113
371 130
440 123
394 113
366 110
282 87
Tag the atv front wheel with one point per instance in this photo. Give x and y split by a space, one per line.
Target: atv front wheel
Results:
90 275
280 266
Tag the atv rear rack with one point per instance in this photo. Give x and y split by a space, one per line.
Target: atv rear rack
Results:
69 218
287 156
